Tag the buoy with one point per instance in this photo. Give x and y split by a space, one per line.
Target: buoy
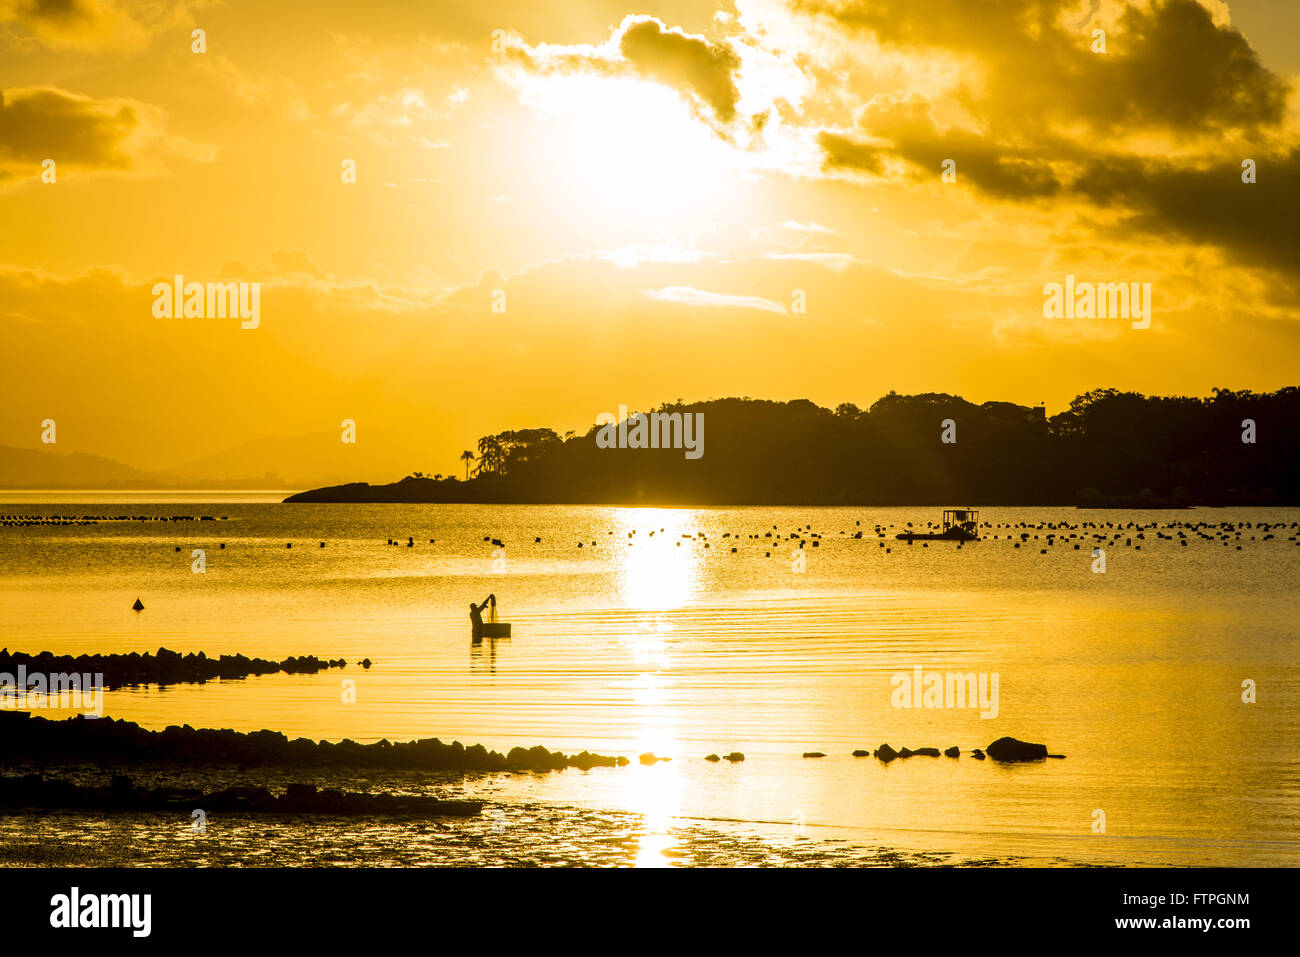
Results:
139 605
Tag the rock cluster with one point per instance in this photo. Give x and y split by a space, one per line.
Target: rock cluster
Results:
1003 749
31 737
164 668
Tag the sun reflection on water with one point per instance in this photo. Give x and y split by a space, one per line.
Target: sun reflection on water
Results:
656 573
656 795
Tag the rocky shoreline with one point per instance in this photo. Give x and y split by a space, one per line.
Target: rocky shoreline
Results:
36 791
164 668
24 736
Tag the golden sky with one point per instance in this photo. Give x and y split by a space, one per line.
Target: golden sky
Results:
670 200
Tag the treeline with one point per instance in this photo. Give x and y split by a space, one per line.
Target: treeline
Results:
1108 448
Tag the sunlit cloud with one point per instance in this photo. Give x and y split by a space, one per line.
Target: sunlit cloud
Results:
690 296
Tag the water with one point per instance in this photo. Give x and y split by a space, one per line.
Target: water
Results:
639 643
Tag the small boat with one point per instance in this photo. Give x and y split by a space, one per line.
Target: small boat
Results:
959 525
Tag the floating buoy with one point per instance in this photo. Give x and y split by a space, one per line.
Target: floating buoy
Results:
139 605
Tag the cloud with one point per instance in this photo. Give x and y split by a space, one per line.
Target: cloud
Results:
275 92
690 296
684 61
1208 204
38 123
92 24
835 262
1152 130
702 71
906 128
1167 63
669 251
810 227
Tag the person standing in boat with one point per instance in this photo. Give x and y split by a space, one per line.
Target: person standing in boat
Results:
476 616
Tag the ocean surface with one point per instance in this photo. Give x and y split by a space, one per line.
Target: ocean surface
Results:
675 644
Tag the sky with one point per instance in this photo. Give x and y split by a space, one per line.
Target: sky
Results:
561 208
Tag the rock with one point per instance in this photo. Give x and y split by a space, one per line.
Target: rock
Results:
927 752
139 605
735 756
977 754
650 758
1011 749
814 754
861 754
953 752
886 753
712 757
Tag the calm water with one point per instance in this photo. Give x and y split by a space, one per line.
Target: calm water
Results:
657 643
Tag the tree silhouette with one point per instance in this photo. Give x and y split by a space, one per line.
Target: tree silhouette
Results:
467 456
1108 448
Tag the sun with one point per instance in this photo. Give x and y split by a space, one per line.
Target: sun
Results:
630 151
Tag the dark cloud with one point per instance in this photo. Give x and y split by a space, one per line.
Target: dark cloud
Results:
691 63
905 127
1169 66
41 122
704 72
1168 70
843 152
1208 204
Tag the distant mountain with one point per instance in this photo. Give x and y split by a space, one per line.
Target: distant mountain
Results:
46 468
297 461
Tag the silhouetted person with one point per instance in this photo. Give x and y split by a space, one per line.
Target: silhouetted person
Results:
476 616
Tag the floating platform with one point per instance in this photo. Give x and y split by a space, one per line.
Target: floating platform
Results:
959 525
952 535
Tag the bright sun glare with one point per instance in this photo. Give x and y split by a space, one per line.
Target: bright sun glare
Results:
631 149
